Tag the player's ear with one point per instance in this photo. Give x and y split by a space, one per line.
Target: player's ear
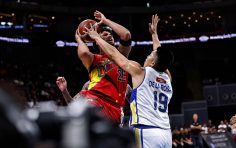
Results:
153 63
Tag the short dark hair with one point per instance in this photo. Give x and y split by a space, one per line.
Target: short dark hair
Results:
106 28
165 58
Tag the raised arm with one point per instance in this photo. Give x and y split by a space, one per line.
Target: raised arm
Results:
156 42
83 52
121 31
62 85
153 31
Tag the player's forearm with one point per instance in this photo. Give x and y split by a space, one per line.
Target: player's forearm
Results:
121 31
199 127
114 55
106 47
156 42
82 48
84 54
67 96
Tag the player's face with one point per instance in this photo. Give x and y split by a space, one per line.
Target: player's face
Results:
107 36
150 60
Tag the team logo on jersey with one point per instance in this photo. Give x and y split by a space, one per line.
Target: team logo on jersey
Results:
160 80
104 67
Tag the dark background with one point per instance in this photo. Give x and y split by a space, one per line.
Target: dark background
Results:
197 64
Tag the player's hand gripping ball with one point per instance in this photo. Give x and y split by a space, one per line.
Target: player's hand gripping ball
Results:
87 24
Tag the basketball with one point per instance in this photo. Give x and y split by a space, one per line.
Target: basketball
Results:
82 27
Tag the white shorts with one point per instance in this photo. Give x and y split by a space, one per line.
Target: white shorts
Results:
152 137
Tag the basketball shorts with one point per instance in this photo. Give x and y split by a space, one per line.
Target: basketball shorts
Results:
152 137
106 109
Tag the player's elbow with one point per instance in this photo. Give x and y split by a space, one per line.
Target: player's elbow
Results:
126 36
111 56
82 54
122 64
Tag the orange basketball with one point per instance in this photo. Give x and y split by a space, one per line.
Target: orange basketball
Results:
86 23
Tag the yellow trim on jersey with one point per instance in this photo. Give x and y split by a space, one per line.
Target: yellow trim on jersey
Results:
137 138
94 78
133 111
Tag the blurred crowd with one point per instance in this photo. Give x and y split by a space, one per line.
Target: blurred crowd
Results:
182 137
36 85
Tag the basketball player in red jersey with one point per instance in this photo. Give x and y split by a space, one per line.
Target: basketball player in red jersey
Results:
108 82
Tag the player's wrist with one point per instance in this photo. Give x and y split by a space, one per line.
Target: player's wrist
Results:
154 34
96 38
80 42
64 91
106 21
78 39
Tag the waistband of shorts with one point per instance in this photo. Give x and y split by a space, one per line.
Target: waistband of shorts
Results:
142 126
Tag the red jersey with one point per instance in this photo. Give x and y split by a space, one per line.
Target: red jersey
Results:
108 83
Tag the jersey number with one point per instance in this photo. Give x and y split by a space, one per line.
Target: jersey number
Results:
122 76
163 101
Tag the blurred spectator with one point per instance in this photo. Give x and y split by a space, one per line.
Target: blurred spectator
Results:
233 131
188 143
204 129
196 129
211 127
233 126
228 125
181 138
14 89
222 127
36 85
176 139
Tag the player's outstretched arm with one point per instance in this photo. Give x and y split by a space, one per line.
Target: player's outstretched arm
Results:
153 31
83 51
121 31
156 42
62 85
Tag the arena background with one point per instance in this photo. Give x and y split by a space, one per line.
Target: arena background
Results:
201 33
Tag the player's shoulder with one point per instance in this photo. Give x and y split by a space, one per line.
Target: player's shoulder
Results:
151 71
99 57
134 63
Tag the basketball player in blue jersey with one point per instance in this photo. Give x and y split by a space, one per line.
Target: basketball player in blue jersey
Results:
151 92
